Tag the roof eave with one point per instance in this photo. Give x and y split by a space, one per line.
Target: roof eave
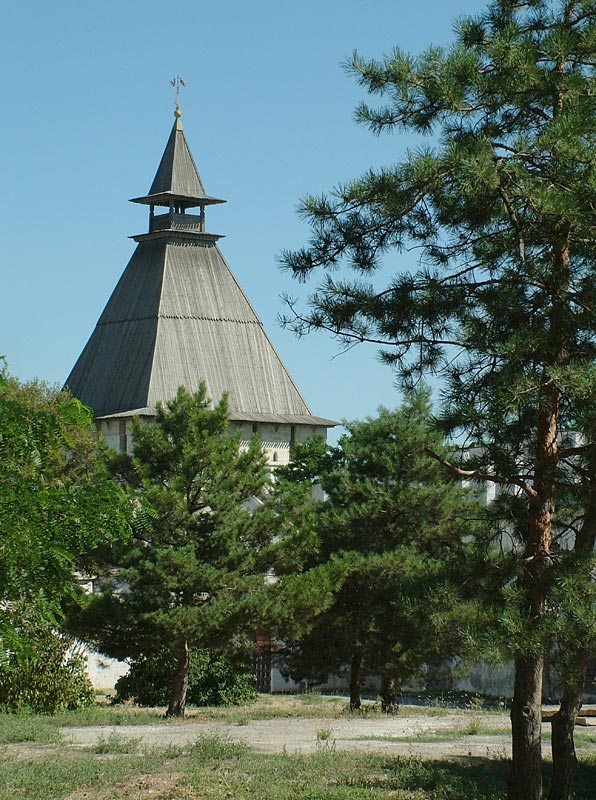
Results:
288 419
178 235
170 198
310 421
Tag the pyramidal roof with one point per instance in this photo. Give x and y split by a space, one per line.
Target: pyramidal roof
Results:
178 316
177 177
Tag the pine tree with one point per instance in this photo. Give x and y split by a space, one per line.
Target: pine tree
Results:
208 520
401 524
502 307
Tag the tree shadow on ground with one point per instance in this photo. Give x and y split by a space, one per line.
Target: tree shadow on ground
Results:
463 779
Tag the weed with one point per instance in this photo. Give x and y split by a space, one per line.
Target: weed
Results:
473 727
115 743
476 702
366 710
172 751
324 740
215 748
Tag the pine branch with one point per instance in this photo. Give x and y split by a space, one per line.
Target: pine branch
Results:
483 477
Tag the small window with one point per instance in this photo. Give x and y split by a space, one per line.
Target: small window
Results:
123 437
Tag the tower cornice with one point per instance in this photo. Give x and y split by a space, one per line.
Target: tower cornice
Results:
179 236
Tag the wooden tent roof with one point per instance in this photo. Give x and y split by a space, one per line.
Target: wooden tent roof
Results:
177 179
178 316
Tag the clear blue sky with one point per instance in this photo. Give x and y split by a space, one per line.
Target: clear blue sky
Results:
268 113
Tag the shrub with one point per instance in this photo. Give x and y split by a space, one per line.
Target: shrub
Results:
47 676
213 681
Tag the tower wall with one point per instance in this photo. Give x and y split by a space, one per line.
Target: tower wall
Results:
276 438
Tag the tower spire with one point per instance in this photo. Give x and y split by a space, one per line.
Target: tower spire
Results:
177 184
177 82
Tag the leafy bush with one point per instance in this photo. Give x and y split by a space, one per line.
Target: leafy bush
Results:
47 675
213 681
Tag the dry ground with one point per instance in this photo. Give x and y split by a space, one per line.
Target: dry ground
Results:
457 735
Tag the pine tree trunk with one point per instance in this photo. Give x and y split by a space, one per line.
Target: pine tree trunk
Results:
525 781
389 694
563 748
355 667
179 687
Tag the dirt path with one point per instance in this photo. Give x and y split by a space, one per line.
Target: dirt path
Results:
454 736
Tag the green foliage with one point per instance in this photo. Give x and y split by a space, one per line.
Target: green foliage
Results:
194 575
398 525
58 504
501 306
212 681
49 677
310 461
509 182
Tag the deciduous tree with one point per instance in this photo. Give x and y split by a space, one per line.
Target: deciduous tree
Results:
58 503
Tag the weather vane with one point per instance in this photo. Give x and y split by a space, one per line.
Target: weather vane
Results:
177 82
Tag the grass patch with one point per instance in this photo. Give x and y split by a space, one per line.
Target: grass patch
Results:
584 738
459 699
217 748
58 775
219 768
102 714
114 743
427 737
464 728
266 707
17 729
329 775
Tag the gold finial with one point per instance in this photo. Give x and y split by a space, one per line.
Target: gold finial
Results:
177 82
